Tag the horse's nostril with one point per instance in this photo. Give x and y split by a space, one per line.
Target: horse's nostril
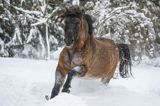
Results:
64 39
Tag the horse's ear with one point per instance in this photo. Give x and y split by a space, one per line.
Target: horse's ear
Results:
81 12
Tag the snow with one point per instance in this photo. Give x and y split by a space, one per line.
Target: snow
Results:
1 31
153 62
43 8
75 2
56 54
3 52
22 10
70 100
25 82
16 37
41 21
33 35
22 1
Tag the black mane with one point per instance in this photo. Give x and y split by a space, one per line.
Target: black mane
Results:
90 23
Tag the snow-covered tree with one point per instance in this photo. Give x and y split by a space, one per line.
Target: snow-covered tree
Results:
28 28
23 23
129 21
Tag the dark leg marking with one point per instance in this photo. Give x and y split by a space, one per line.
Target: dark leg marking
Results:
78 70
59 79
67 85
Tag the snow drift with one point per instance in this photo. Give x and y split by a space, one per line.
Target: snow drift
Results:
65 99
26 82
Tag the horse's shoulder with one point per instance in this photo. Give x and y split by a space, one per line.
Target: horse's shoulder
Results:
64 59
64 50
64 53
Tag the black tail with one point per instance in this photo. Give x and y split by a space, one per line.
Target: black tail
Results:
125 60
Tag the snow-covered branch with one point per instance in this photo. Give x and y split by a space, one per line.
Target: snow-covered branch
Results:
22 10
44 20
40 22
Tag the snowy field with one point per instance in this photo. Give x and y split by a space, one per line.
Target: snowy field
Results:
26 82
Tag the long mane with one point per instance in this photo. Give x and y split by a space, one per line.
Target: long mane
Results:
77 12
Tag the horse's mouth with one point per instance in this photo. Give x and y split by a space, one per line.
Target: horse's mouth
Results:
69 43
70 46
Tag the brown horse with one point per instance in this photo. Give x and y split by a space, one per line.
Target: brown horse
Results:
84 55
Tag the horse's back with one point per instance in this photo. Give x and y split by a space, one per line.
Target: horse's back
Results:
107 45
106 41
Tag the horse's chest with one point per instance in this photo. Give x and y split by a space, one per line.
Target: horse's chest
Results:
77 59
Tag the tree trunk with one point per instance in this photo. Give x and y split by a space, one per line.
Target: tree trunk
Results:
47 42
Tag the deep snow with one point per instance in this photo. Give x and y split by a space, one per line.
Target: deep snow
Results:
26 82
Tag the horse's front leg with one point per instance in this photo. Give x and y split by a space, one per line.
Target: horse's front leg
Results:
76 71
59 80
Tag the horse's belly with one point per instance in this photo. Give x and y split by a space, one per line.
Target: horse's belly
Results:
96 72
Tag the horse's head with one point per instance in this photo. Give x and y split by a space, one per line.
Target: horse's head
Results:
78 27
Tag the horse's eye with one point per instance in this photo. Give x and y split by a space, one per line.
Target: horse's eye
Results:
77 22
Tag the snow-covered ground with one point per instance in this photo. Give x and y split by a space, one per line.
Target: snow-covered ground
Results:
26 82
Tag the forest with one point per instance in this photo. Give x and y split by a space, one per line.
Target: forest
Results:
30 29
36 64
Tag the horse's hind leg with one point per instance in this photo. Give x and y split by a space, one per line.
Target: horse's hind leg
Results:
59 80
78 70
105 80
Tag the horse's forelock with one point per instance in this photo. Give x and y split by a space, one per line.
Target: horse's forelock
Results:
73 12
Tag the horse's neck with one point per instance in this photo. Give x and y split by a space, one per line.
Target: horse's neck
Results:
89 46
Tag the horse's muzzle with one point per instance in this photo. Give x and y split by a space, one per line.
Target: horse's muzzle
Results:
68 41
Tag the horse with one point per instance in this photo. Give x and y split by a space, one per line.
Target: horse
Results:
86 56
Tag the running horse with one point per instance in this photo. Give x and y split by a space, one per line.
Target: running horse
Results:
87 56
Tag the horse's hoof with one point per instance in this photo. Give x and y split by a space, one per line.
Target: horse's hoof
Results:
47 97
66 90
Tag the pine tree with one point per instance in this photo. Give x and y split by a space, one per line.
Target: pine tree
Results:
28 28
129 21
22 28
